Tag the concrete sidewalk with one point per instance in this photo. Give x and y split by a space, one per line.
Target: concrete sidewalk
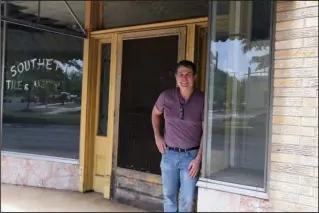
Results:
32 199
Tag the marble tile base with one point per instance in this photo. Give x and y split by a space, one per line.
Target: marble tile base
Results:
39 173
210 200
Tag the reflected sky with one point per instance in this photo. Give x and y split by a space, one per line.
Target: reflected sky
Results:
232 59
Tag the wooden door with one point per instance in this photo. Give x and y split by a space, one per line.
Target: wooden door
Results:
146 66
104 116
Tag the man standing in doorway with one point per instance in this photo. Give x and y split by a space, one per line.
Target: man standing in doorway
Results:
181 146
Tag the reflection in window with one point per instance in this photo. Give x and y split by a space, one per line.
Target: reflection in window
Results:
146 12
52 13
104 89
238 96
42 93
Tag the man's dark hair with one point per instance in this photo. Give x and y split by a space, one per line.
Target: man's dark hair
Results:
188 64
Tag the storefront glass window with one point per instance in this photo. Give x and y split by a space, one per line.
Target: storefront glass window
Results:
42 92
238 95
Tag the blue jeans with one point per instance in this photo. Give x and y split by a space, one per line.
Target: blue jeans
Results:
175 176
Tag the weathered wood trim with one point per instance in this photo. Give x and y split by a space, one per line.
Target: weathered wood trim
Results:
163 25
88 94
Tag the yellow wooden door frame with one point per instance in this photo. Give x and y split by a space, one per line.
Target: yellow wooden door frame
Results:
90 144
103 145
200 58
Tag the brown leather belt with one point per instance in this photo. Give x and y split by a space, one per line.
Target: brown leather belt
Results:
182 150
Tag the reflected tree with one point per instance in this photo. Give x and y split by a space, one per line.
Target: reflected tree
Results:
262 45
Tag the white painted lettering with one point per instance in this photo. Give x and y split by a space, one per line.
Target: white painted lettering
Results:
48 64
20 68
35 84
17 85
56 65
33 63
27 65
8 84
14 71
41 63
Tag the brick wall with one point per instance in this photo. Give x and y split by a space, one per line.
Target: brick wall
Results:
294 150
